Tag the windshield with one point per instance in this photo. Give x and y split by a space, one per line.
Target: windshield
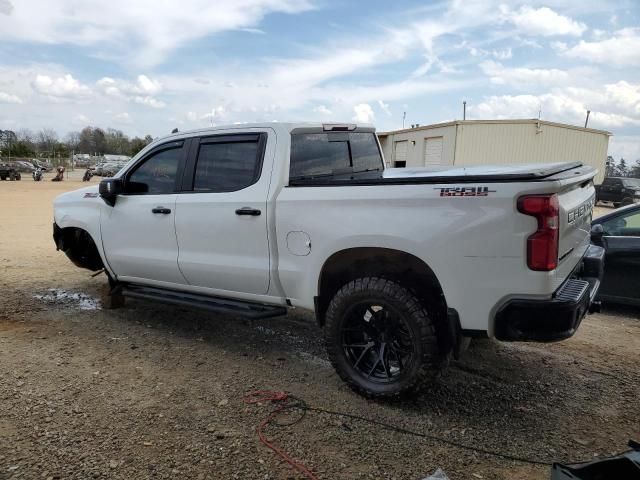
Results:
323 154
631 182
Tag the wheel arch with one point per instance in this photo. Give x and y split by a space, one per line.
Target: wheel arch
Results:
79 245
400 266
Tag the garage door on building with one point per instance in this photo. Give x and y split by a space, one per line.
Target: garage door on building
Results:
400 154
433 151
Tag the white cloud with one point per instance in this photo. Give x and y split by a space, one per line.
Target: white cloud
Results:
117 87
81 120
612 106
384 107
621 50
141 91
322 109
625 146
156 29
123 117
9 98
363 113
65 87
498 54
523 77
541 21
217 112
149 101
6 7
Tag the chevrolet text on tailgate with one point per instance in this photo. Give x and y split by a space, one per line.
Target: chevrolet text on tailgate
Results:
399 265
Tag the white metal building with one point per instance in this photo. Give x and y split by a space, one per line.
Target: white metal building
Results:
495 142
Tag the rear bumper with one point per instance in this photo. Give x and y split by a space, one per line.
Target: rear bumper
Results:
559 317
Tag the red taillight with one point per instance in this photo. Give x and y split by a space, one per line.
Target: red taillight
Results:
542 246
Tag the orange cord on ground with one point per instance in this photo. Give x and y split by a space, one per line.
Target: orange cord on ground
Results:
280 398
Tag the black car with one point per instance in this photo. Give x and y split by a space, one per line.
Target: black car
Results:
619 190
619 233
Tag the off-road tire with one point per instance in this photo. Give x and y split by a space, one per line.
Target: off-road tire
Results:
626 201
616 204
3 178
428 361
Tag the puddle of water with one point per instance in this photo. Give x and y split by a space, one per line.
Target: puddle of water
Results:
77 300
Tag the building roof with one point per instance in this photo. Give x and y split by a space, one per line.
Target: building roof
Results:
509 121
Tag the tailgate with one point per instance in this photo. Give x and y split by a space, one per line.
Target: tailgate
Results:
576 199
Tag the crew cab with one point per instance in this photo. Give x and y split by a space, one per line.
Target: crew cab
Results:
621 191
399 265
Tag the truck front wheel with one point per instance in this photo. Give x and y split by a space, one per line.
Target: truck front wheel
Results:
380 338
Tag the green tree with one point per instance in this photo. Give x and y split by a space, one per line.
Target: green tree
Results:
21 149
610 169
136 145
623 169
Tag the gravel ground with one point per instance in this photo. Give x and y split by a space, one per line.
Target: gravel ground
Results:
152 391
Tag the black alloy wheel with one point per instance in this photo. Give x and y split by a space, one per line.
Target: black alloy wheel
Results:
381 339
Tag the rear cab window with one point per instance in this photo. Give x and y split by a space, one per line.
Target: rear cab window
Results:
333 155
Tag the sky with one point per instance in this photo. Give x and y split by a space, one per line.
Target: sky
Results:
148 66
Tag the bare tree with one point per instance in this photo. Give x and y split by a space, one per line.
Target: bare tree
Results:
72 140
47 139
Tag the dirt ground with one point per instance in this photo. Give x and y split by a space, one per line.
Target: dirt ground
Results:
151 391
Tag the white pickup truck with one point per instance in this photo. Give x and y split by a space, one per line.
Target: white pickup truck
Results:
400 265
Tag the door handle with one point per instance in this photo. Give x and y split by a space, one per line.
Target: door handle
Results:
162 210
254 212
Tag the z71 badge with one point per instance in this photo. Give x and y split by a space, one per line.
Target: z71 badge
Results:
465 191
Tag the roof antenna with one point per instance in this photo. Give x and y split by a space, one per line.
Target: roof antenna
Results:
175 130
586 121
464 110
404 116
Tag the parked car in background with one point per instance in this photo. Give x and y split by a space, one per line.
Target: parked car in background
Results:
620 191
9 171
24 166
619 234
41 165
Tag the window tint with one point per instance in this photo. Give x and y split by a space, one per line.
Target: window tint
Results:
364 150
631 182
624 225
608 181
314 154
157 175
225 167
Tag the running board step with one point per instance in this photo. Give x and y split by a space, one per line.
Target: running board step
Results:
213 304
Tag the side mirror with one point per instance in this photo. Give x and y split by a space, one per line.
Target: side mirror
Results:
597 231
109 190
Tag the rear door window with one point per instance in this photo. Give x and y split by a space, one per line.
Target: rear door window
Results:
227 164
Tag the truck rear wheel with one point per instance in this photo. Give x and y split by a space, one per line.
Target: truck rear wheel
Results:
626 201
380 338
